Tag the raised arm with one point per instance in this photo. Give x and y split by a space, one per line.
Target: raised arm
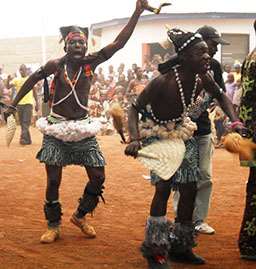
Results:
127 31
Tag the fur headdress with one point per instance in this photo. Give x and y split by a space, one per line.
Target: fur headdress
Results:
180 41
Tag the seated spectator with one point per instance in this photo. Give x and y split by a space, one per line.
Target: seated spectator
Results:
130 75
137 85
122 82
120 69
100 75
111 72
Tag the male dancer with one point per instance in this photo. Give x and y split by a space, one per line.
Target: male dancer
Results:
164 105
247 236
69 134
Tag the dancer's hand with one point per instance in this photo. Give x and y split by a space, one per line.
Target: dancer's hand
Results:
239 128
10 110
133 148
141 5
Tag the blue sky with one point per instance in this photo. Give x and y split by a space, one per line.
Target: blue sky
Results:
32 17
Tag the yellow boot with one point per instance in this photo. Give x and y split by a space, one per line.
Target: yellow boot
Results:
86 229
51 235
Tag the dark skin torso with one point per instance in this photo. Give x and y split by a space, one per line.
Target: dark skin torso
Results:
163 93
165 98
75 52
69 108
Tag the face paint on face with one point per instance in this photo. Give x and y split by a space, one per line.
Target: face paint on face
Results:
76 47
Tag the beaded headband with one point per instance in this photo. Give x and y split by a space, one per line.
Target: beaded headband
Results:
72 35
69 32
181 39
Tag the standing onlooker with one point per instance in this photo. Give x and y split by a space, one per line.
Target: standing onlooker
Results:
2 87
226 70
25 106
230 85
237 71
237 96
247 237
203 138
3 76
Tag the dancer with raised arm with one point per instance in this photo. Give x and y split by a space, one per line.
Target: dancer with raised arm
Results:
69 133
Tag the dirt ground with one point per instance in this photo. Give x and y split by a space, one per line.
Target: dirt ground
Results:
119 223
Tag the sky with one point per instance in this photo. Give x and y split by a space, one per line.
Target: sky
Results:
36 17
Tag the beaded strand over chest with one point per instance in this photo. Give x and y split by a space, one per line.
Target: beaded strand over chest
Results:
72 83
183 101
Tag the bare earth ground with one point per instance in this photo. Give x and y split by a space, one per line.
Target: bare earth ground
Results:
119 223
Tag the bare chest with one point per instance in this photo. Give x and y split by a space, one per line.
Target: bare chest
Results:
72 87
171 102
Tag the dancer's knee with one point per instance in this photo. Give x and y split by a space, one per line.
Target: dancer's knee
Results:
162 191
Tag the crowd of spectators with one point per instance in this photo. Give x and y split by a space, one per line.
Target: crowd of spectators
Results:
232 80
122 84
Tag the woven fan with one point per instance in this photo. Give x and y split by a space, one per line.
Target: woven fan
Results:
163 157
10 129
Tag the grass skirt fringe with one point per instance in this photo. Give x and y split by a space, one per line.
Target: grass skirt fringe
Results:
85 152
189 169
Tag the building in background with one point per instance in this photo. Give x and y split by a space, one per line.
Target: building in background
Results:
234 27
33 51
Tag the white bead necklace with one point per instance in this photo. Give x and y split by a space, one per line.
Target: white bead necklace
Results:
186 108
192 99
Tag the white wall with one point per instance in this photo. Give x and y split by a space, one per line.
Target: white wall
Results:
150 32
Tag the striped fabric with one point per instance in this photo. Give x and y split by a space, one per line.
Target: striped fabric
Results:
85 152
189 169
